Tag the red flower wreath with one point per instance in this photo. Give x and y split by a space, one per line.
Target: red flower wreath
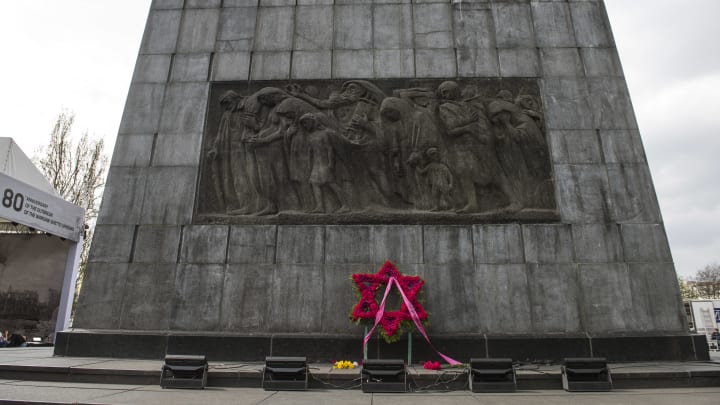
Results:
392 323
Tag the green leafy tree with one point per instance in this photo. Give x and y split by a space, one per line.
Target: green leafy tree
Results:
76 168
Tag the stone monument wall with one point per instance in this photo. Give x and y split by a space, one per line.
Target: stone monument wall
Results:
241 196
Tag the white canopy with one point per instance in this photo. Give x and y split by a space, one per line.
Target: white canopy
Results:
15 163
29 199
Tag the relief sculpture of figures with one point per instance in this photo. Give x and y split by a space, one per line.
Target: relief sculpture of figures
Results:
351 151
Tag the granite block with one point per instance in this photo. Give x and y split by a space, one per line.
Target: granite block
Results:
655 291
622 146
611 104
433 26
190 68
601 62
645 243
447 244
296 298
513 25
156 244
252 244
352 64
583 193
99 304
246 303
435 63
553 25
633 194
300 244
554 298
547 243
353 27
567 103
148 297
339 298
204 244
142 109
274 30
394 63
152 69
112 243
133 150
401 244
498 244
202 3
607 304
239 3
518 62
184 108
311 64
452 298
313 28
473 29
161 32
347 244
198 30
575 147
123 195
166 4
168 194
177 150
237 29
270 65
590 24
561 62
231 66
482 62
196 302
503 298
597 243
392 26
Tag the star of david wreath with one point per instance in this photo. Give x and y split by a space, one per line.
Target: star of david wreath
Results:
393 323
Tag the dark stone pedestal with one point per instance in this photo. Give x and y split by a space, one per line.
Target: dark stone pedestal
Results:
323 348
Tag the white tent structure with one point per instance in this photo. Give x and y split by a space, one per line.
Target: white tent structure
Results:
27 198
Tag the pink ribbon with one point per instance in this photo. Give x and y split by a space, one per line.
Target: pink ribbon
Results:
413 315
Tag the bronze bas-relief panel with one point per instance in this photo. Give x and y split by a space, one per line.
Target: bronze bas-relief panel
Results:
383 151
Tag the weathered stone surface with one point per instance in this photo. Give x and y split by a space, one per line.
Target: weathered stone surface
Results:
448 245
633 193
561 62
473 28
590 24
197 284
252 244
148 297
112 243
274 30
314 28
597 243
513 25
645 243
498 244
338 297
392 26
347 244
204 244
601 62
151 69
168 195
162 32
554 298
352 64
433 26
190 68
353 27
231 66
133 150
622 146
482 62
583 193
394 62
237 29
184 108
452 294
607 303
611 104
202 3
435 63
123 196
198 30
270 65
142 109
296 298
567 104
177 149
655 292
166 4
401 244
246 303
553 25
503 298
156 244
547 243
311 64
518 62
300 244
101 300
575 147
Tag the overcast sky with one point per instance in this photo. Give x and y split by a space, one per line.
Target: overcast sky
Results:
79 55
